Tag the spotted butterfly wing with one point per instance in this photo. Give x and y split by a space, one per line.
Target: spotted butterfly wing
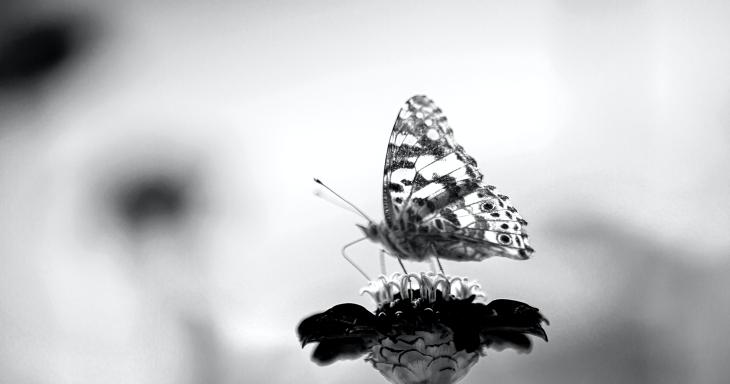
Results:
434 192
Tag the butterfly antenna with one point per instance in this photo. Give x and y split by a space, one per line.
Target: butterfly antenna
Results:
334 202
344 254
318 181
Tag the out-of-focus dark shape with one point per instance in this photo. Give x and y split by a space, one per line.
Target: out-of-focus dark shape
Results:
155 198
148 192
427 329
31 51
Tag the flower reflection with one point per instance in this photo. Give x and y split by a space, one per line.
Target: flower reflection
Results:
428 328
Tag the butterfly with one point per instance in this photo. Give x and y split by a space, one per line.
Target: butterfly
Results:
435 200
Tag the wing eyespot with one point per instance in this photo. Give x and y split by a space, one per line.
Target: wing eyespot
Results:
504 239
487 206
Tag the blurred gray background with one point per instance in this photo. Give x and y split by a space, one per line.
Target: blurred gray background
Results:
158 222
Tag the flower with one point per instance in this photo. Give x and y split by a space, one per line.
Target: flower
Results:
428 328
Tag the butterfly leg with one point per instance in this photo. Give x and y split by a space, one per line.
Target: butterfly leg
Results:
438 261
402 266
400 261
440 267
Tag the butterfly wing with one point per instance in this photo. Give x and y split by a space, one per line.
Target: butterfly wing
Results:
433 191
423 161
482 224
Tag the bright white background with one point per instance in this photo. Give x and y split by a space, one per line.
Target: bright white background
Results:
605 122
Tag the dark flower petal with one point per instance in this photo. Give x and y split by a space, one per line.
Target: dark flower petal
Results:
463 317
329 351
342 331
503 340
506 322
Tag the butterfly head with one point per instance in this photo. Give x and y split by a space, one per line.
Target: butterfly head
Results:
371 231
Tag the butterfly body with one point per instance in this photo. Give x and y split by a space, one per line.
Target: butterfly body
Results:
398 243
434 198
